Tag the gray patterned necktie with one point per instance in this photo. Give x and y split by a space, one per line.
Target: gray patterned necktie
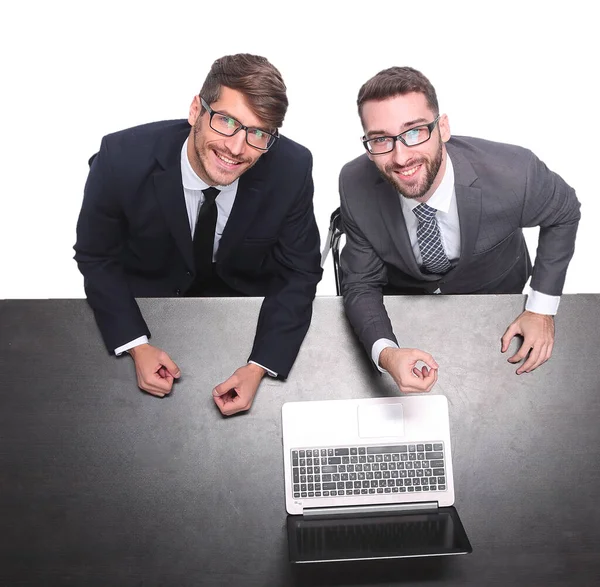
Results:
430 242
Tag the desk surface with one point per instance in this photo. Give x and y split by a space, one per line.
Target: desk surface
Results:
101 484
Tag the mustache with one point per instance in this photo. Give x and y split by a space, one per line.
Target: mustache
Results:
227 153
391 167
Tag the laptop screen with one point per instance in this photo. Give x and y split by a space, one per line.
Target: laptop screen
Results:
403 535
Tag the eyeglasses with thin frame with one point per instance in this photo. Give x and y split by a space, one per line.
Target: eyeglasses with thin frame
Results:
411 138
228 126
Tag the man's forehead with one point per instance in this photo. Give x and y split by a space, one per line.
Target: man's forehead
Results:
399 112
234 103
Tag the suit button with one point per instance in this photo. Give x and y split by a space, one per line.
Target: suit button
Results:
189 273
177 292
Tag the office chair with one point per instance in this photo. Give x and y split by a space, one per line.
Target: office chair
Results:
332 242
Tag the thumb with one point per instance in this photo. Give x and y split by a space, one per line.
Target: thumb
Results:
170 366
224 387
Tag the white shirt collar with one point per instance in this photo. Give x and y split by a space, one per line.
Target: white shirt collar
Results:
442 197
190 179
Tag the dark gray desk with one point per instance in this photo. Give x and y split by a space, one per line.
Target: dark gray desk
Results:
101 484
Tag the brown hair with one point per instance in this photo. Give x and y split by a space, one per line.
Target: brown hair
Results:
256 78
397 81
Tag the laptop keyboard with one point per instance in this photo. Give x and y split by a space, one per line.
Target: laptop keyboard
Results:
367 470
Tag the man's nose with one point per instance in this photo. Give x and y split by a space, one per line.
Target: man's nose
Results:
401 153
237 143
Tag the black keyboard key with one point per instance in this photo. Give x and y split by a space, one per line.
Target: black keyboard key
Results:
353 451
420 447
361 450
340 485
354 459
328 486
436 464
340 452
341 468
349 485
438 472
296 495
428 447
302 470
418 488
396 457
325 477
345 460
329 469
387 458
420 456
323 452
334 461
412 448
438 446
375 467
296 475
295 463
441 487
344 476
334 493
378 458
311 487
302 478
302 454
336 477
380 490
441 480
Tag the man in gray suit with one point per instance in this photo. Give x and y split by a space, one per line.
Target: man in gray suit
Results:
424 213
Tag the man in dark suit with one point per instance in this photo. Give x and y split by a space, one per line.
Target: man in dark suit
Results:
218 205
428 214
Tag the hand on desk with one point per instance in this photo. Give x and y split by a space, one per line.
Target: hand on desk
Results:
401 365
236 394
537 331
154 368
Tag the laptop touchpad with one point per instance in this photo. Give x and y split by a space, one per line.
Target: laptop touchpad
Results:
380 420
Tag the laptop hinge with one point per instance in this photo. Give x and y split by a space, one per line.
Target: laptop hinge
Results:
370 510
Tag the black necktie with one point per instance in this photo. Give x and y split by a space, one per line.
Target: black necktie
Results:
204 234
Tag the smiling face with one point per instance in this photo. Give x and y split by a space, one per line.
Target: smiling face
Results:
217 159
416 172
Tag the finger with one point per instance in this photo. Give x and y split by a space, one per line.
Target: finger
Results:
535 360
169 364
417 372
226 386
157 383
510 333
419 355
521 353
531 360
432 380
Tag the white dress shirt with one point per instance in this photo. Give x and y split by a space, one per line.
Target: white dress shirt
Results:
444 201
194 198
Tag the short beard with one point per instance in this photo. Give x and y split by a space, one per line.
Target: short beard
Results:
200 163
432 168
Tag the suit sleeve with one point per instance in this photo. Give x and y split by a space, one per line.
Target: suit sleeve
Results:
100 237
287 309
363 276
553 206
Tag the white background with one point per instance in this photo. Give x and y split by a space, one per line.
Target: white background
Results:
520 72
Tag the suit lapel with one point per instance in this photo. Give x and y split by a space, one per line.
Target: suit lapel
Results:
468 201
252 190
391 211
169 193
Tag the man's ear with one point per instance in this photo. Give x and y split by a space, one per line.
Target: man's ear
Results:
444 126
195 108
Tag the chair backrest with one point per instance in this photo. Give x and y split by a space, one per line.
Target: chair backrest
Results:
332 242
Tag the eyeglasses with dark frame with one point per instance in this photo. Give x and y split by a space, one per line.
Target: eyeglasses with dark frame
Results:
228 126
411 138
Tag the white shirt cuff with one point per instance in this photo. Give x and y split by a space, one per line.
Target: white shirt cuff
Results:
542 303
130 345
269 372
378 346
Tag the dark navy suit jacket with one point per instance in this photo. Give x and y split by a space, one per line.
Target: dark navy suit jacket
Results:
133 238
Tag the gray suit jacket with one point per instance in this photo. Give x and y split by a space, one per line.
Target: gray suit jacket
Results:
499 190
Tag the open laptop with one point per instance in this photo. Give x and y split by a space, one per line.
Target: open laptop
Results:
370 478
